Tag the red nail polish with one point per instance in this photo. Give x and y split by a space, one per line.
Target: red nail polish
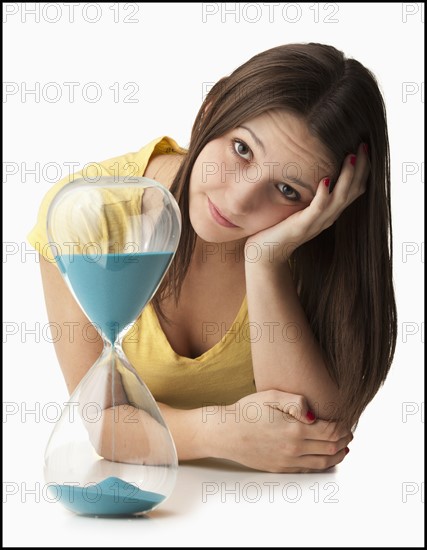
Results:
327 182
347 450
366 148
310 416
353 160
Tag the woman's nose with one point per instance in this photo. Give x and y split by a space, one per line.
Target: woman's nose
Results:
243 193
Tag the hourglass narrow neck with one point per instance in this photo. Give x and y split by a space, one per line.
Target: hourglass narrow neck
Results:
115 349
110 332
111 345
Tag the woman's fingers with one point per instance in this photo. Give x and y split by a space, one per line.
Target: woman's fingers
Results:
329 448
332 198
319 463
295 408
351 182
324 430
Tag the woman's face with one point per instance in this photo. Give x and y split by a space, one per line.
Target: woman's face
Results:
255 176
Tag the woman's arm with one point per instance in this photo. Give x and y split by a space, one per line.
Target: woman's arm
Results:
80 344
285 353
275 442
292 360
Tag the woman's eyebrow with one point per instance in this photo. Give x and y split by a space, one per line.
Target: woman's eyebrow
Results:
254 137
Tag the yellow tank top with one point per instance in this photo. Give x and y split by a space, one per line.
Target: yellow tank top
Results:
223 374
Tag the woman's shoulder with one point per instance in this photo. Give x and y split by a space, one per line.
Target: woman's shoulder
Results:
163 168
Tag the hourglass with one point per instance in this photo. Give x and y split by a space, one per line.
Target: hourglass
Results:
111 452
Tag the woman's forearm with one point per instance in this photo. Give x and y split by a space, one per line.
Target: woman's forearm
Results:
193 431
285 353
271 441
131 435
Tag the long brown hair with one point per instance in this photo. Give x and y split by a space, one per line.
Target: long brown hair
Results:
344 275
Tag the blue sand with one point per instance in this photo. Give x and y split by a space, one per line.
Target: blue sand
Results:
110 497
114 288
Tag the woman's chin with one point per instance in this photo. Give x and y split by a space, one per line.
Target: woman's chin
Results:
211 237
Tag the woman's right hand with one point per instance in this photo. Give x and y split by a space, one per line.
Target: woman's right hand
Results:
270 431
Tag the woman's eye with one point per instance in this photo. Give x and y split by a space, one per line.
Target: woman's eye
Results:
242 149
288 192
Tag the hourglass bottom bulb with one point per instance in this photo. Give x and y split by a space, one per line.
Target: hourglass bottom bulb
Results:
110 497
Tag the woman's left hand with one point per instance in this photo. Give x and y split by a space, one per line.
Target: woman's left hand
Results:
278 242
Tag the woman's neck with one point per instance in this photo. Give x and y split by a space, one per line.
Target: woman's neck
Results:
228 255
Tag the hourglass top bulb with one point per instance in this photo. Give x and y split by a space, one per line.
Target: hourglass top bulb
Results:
114 288
113 242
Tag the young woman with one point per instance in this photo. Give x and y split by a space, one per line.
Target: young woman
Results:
276 323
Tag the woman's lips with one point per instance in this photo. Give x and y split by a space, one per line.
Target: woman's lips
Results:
218 217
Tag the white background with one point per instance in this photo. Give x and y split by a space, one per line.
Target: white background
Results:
170 51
